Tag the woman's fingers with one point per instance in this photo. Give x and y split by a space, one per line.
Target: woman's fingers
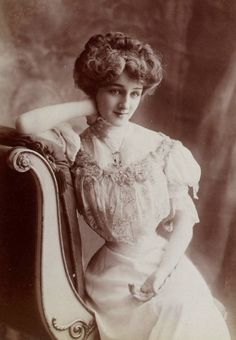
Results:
91 119
140 295
147 287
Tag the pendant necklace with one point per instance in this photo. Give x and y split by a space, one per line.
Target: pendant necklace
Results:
100 129
116 159
116 151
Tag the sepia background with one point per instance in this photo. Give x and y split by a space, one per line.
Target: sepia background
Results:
40 39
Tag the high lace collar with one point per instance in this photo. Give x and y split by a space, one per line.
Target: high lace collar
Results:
105 131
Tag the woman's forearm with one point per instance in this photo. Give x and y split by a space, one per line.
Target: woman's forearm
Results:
41 119
175 249
178 243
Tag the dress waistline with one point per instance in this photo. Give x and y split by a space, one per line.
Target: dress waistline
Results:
142 245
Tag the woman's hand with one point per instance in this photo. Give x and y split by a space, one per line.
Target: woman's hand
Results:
139 295
150 287
154 282
92 119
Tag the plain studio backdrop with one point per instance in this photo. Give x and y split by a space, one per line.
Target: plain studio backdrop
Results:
39 41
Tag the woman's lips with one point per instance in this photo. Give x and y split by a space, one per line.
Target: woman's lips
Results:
121 113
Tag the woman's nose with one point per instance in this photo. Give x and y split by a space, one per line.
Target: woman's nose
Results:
124 103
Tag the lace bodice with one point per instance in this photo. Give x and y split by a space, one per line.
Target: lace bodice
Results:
128 202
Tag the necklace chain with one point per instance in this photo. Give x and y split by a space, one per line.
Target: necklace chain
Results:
100 128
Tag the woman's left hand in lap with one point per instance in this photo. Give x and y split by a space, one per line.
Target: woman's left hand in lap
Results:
149 289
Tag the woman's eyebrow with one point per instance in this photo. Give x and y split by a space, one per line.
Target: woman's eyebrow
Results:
122 86
116 84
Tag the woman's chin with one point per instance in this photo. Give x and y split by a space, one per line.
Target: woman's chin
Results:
117 120
121 121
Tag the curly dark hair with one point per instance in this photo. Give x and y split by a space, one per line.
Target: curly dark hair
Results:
105 57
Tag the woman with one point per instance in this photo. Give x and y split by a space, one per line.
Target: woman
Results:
131 182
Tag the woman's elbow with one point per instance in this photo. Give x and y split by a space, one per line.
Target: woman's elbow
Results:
184 221
23 126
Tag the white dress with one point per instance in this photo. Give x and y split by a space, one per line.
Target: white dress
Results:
125 204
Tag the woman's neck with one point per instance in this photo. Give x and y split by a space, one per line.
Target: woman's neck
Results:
106 131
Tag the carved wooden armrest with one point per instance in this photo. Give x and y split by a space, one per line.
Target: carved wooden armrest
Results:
62 311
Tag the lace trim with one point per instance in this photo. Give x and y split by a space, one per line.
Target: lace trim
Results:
100 128
120 228
85 165
109 224
120 231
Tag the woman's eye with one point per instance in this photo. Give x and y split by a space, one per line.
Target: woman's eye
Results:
114 92
135 94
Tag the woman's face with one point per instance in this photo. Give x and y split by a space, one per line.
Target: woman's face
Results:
118 101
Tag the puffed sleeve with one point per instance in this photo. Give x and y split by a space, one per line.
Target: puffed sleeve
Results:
182 173
69 140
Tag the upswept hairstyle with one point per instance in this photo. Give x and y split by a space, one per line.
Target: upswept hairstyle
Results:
105 57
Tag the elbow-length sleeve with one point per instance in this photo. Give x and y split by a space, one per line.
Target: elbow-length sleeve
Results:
69 140
65 138
182 172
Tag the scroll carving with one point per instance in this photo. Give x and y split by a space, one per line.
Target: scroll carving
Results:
77 329
19 160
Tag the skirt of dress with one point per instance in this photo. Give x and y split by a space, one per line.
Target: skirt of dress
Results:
183 309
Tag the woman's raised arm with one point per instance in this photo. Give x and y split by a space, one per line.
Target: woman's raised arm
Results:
41 119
